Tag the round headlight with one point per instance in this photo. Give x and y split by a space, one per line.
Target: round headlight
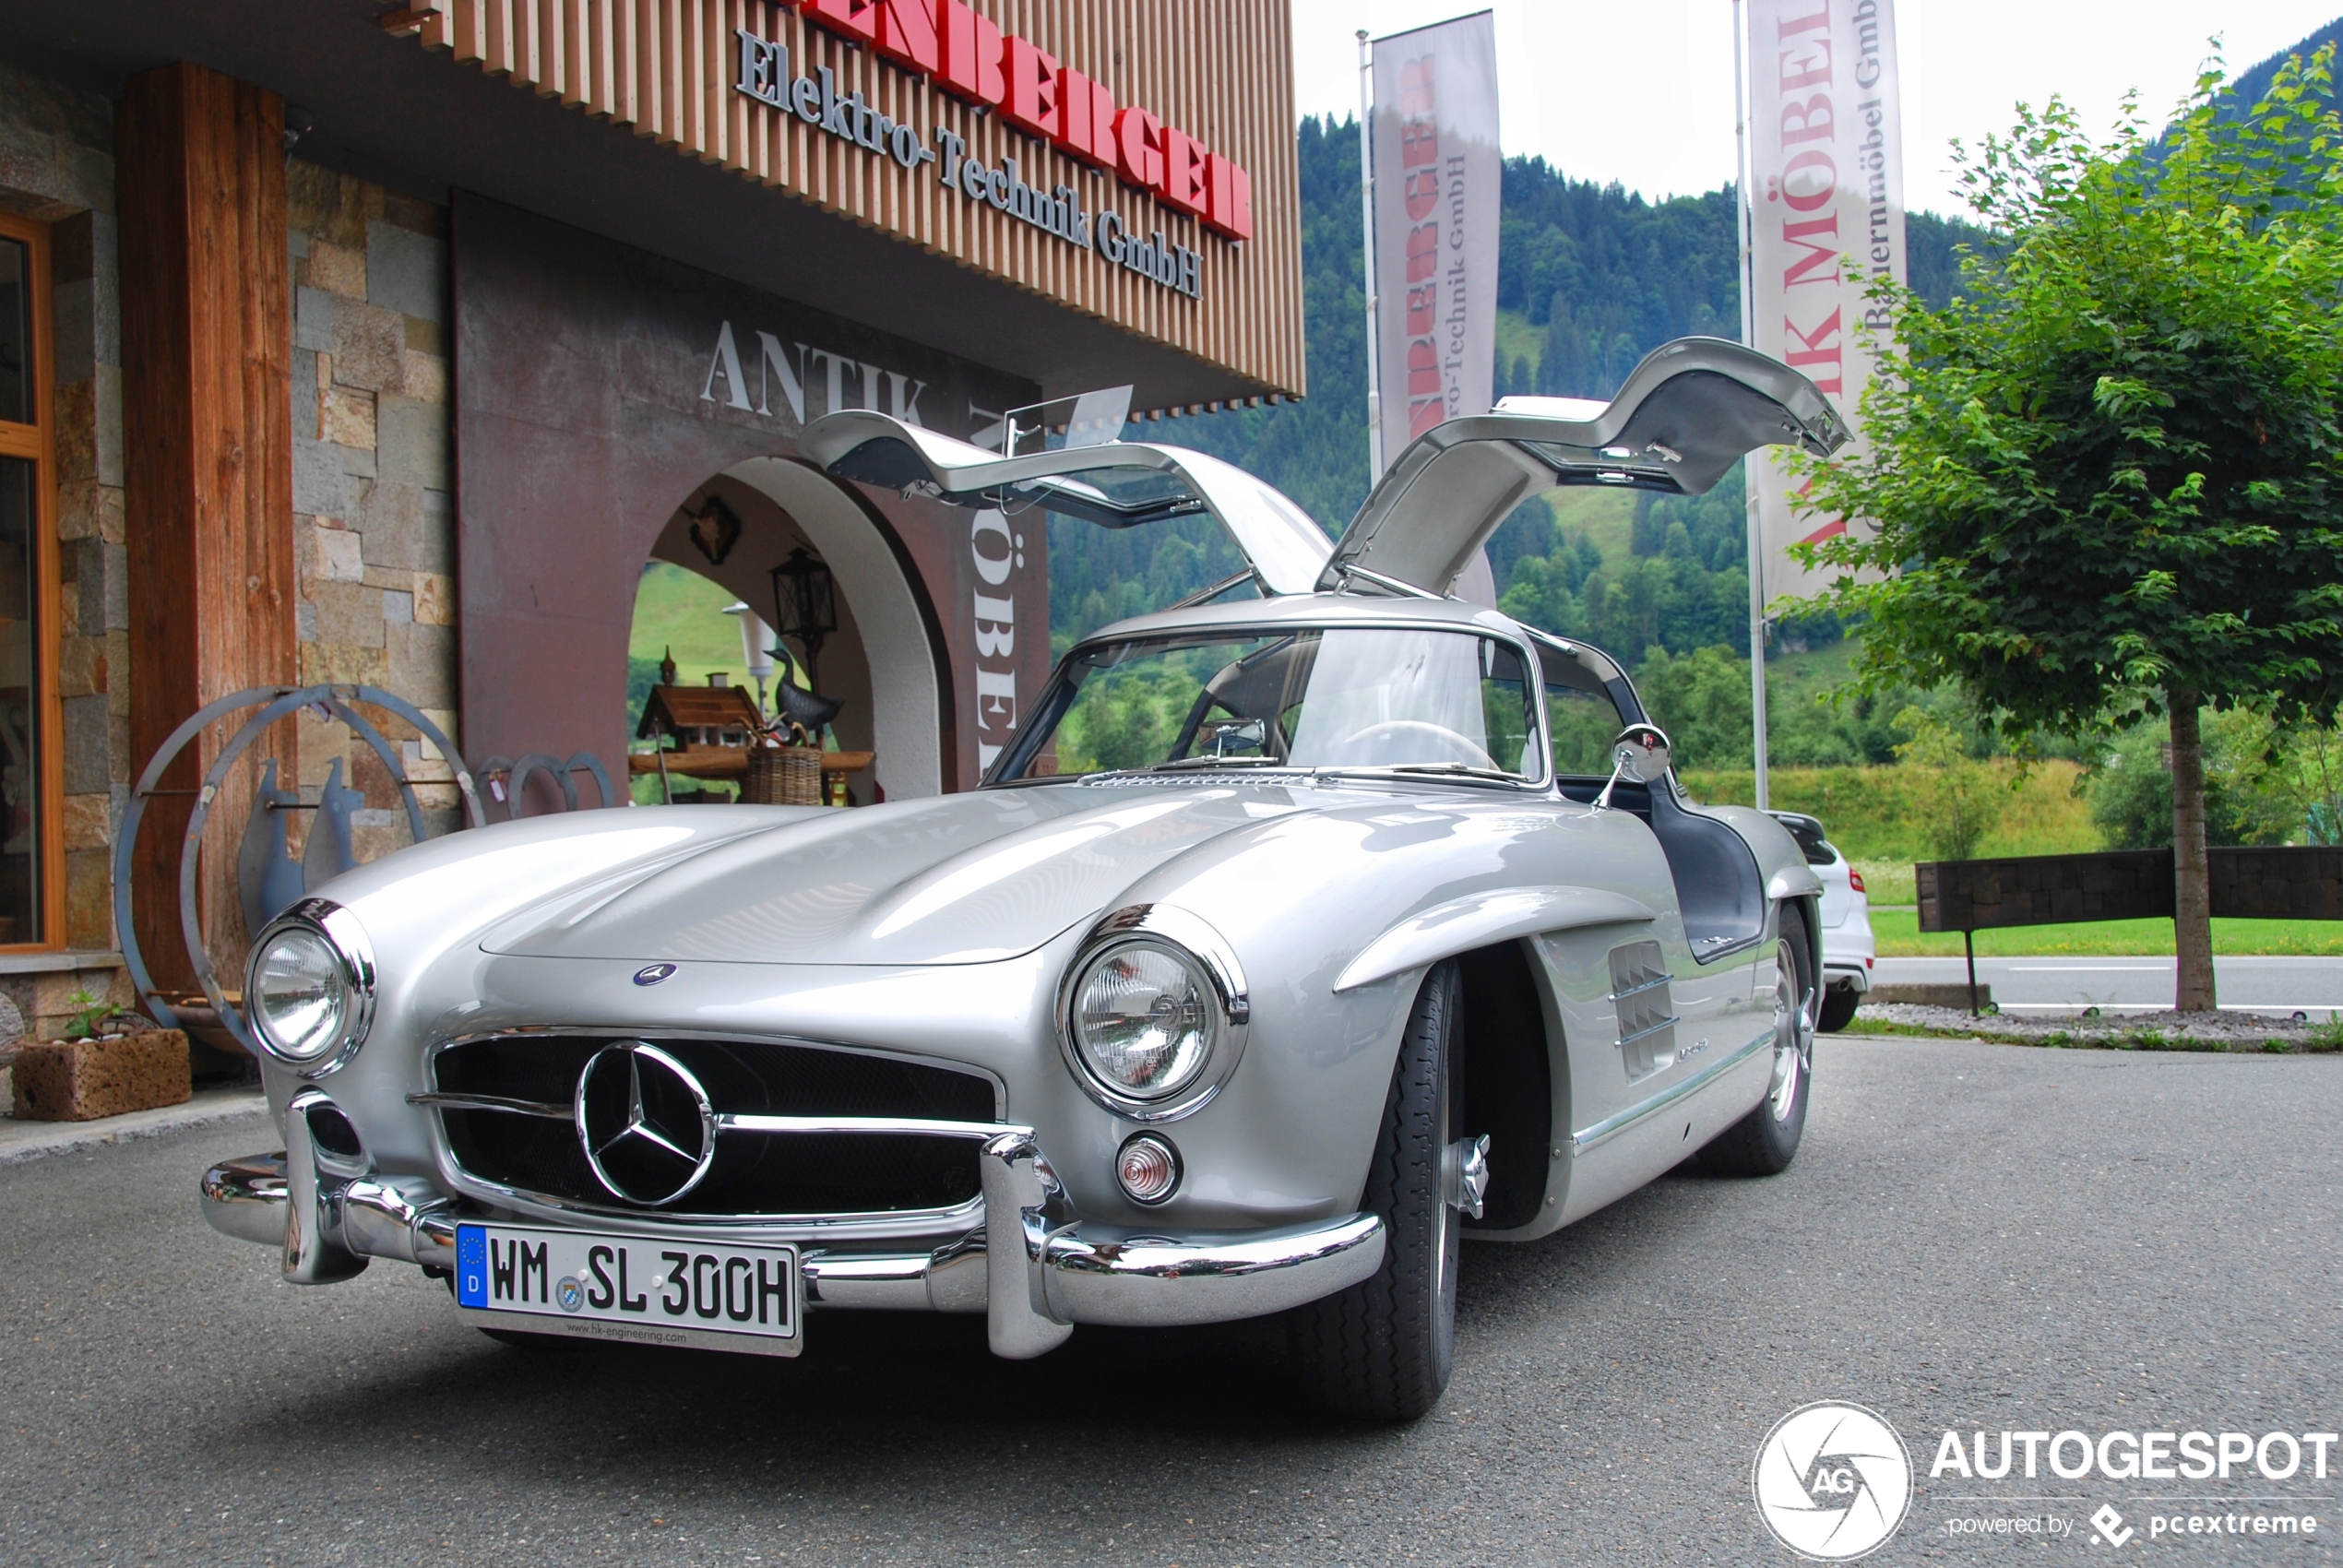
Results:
300 994
1144 1017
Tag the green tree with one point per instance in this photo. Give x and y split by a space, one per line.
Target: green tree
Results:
1956 792
2105 480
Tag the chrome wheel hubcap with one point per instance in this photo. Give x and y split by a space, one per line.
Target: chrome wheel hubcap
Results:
1794 1024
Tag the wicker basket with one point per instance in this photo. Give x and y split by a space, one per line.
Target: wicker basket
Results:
783 775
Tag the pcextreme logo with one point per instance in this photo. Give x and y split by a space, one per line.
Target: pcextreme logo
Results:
1832 1481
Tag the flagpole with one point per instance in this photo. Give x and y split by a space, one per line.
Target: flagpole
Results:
1749 464
1366 247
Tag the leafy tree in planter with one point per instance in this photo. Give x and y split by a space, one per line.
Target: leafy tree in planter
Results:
2105 483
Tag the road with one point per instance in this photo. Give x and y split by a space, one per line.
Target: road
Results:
1973 1236
2312 986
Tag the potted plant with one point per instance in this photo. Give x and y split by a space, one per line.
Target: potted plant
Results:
108 1061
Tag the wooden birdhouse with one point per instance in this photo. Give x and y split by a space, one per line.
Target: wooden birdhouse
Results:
699 716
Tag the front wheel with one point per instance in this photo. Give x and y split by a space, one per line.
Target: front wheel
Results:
1382 1349
1763 1142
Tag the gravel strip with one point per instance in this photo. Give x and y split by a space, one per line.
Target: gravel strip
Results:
2160 1031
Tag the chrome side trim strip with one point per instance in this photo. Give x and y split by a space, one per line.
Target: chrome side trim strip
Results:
1652 984
1610 1126
544 1108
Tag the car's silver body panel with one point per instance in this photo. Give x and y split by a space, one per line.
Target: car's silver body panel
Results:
941 930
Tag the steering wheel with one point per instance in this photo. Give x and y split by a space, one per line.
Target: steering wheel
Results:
1410 740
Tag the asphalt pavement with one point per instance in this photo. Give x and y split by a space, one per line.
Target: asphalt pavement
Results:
1974 1236
2058 984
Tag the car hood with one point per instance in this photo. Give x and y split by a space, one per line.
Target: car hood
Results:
958 879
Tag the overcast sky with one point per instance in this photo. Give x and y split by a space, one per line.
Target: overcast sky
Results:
1643 93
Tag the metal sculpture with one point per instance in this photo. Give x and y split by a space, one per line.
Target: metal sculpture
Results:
263 853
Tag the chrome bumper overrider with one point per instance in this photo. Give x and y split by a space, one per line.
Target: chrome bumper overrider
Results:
1058 1272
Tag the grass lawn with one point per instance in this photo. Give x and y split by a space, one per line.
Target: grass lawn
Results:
685 611
1900 937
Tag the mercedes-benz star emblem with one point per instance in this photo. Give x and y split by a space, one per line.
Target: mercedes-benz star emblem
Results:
648 1130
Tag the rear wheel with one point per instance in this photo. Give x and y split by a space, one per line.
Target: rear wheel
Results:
1763 1142
1839 1009
1382 1349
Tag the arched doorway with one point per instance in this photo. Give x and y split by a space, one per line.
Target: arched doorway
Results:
881 660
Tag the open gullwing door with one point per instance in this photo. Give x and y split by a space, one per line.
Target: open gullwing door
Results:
1685 417
1117 485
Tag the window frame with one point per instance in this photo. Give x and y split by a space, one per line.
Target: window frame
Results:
37 443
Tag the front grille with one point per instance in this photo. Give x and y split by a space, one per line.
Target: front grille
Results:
826 1173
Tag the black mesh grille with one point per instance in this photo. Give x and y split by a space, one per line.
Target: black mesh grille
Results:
754 1174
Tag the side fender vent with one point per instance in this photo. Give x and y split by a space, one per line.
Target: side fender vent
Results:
1647 1015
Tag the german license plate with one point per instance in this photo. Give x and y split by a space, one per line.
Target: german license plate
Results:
644 1290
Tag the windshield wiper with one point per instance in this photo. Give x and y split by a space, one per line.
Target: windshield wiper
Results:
1183 763
1440 770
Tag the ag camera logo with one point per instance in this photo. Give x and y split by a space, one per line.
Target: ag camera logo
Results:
1832 1481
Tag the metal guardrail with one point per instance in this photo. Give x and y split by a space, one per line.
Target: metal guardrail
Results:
2249 883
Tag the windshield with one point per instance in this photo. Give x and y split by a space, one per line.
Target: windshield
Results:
1434 702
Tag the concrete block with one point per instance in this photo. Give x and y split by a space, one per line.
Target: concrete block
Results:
434 599
88 821
422 663
413 440
313 320
1955 994
335 269
343 664
347 417
108 409
368 343
392 518
116 559
74 310
351 614
82 1080
339 557
86 760
317 479
439 553
406 271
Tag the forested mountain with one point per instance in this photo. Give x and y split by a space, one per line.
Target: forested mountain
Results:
1589 279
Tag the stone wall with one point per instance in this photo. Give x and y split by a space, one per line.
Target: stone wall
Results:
372 481
374 517
57 165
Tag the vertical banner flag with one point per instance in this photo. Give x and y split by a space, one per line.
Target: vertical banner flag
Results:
1826 189
1437 172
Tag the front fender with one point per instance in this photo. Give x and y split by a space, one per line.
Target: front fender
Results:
1481 919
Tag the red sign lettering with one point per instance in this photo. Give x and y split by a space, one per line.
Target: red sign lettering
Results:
1815 266
1086 118
1138 144
1232 209
1814 353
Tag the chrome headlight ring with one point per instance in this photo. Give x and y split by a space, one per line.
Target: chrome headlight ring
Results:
355 957
1188 936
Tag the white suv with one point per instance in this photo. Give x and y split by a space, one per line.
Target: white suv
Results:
1848 949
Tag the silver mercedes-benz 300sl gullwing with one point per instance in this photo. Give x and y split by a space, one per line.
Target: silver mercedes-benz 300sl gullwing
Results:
1307 928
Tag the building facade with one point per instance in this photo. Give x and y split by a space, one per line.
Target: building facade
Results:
383 346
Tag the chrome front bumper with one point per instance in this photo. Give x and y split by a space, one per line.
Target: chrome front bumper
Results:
329 1227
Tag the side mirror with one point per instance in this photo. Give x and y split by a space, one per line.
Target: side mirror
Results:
1640 755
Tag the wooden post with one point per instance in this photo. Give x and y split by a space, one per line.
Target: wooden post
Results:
207 427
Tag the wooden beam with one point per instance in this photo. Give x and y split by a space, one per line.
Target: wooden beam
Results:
207 428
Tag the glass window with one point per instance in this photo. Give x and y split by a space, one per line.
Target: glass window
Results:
16 332
1580 714
1350 697
21 848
